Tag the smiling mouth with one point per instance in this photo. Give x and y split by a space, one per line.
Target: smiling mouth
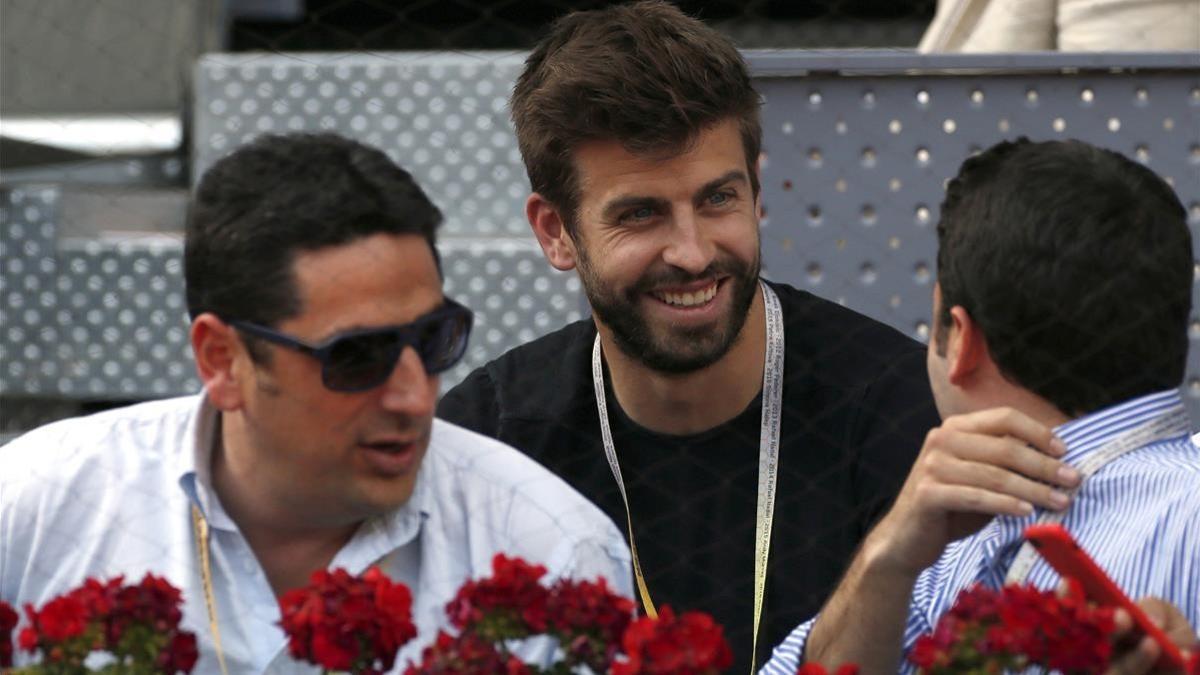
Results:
692 299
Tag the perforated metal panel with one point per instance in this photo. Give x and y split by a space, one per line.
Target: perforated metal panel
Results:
859 147
88 318
442 116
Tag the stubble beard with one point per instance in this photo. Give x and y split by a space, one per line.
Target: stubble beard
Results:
670 349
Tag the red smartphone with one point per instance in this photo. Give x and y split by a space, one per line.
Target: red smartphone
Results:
1065 555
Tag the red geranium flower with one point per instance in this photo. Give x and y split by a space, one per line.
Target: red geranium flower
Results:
690 644
8 621
341 622
137 624
817 669
467 654
589 620
1015 628
511 604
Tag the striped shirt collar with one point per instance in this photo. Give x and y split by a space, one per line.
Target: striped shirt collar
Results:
1085 435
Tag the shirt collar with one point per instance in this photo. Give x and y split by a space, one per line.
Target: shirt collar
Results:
392 529
195 463
1085 435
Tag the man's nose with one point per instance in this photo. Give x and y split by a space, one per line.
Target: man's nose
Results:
689 248
410 390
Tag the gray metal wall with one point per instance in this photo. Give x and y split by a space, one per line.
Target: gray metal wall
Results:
858 146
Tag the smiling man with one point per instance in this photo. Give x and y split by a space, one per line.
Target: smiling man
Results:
319 329
746 433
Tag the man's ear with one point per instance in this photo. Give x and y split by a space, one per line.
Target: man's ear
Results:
218 350
551 232
966 349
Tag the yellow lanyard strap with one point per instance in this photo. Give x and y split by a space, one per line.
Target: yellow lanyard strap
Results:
768 459
200 529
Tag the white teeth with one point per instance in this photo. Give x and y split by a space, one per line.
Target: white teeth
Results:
688 299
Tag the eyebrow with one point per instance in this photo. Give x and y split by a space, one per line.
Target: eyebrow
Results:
615 207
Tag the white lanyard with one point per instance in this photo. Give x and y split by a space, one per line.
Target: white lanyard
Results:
768 458
1158 429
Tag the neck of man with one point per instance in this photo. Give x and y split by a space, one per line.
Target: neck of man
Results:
690 403
288 543
995 391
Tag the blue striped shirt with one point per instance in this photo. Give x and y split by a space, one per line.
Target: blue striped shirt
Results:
1138 516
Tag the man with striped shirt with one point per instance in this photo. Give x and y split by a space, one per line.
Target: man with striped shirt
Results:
1060 339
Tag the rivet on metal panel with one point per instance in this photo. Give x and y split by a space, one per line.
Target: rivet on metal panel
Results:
921 273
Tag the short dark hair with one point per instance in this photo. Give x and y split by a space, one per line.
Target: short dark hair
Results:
644 74
281 195
1076 264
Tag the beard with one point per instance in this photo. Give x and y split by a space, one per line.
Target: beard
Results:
668 348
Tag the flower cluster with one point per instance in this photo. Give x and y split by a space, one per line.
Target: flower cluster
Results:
8 621
589 620
688 644
138 624
509 605
818 669
1015 628
467 654
585 617
343 622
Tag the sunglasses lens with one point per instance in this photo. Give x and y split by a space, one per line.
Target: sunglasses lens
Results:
362 361
442 341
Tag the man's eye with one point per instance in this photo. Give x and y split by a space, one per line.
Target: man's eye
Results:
639 213
719 198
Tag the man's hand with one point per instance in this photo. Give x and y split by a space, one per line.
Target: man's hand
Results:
972 468
1134 652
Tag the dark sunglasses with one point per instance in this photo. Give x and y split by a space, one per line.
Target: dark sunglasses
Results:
363 359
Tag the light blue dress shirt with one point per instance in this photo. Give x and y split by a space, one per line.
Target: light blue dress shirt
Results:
112 493
1138 517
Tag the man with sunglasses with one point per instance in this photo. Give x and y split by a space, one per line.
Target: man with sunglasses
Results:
319 328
